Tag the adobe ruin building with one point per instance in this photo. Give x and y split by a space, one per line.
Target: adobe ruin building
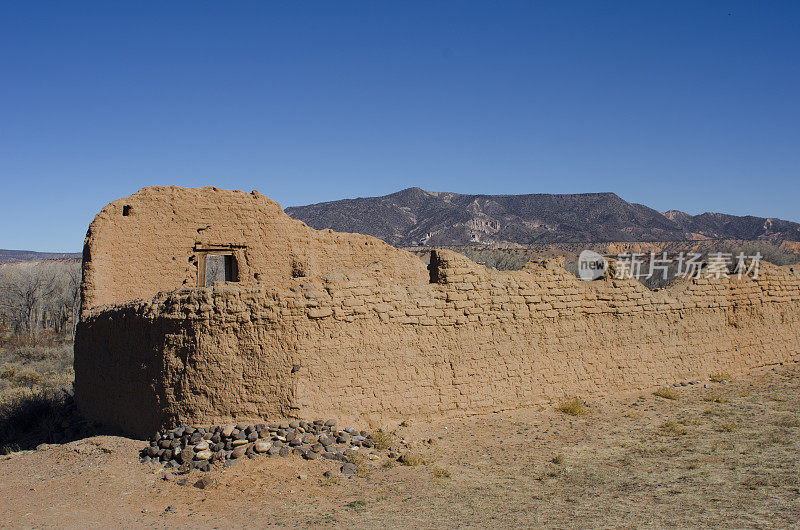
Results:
205 305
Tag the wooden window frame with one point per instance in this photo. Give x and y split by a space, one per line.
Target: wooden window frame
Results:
229 251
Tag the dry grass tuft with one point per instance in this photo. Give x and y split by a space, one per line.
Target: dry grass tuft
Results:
715 398
381 439
550 470
719 377
364 465
329 481
358 506
46 366
412 459
755 482
666 393
572 407
787 421
440 472
726 427
672 428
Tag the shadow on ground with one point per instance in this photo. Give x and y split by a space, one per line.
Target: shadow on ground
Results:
43 417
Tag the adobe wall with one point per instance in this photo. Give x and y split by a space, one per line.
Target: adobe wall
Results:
147 243
365 343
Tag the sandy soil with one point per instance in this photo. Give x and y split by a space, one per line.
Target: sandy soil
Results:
726 455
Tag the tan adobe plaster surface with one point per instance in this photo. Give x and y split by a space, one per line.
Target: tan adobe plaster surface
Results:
367 333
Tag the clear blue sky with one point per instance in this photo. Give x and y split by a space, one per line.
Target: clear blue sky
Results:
686 105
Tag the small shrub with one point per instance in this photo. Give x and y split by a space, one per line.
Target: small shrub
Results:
357 506
381 439
363 464
30 379
411 459
670 427
666 393
715 398
726 427
572 407
776 436
440 472
30 418
390 463
558 459
549 471
719 377
356 458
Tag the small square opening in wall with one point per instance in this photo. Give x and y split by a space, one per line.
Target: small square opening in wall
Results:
126 210
218 267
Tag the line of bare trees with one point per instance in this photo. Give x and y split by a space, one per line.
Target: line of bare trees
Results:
40 296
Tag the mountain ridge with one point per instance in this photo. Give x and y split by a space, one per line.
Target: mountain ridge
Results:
13 256
413 216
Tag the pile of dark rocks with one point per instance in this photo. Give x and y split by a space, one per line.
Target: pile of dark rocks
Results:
204 448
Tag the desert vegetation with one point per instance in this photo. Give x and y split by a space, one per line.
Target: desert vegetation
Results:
35 391
723 454
572 407
39 298
38 312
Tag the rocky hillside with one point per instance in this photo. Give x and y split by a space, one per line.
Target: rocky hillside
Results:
10 256
415 217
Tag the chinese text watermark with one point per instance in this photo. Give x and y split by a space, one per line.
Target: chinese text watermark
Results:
592 265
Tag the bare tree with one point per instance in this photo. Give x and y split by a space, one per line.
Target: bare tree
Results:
39 295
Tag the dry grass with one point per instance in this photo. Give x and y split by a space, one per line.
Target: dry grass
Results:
412 459
357 506
787 421
440 472
666 393
35 393
47 366
573 407
726 427
31 417
364 464
329 481
719 377
672 428
669 465
381 439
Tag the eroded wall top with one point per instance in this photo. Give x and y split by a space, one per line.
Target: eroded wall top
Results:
164 238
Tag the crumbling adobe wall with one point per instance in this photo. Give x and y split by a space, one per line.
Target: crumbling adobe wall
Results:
363 343
147 243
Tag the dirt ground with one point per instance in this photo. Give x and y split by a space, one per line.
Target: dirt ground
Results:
720 454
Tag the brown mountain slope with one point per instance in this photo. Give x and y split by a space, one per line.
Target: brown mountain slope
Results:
414 216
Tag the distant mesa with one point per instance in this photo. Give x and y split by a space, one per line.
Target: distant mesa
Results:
11 256
415 217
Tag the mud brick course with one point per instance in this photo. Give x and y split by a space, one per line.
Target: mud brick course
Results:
324 324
